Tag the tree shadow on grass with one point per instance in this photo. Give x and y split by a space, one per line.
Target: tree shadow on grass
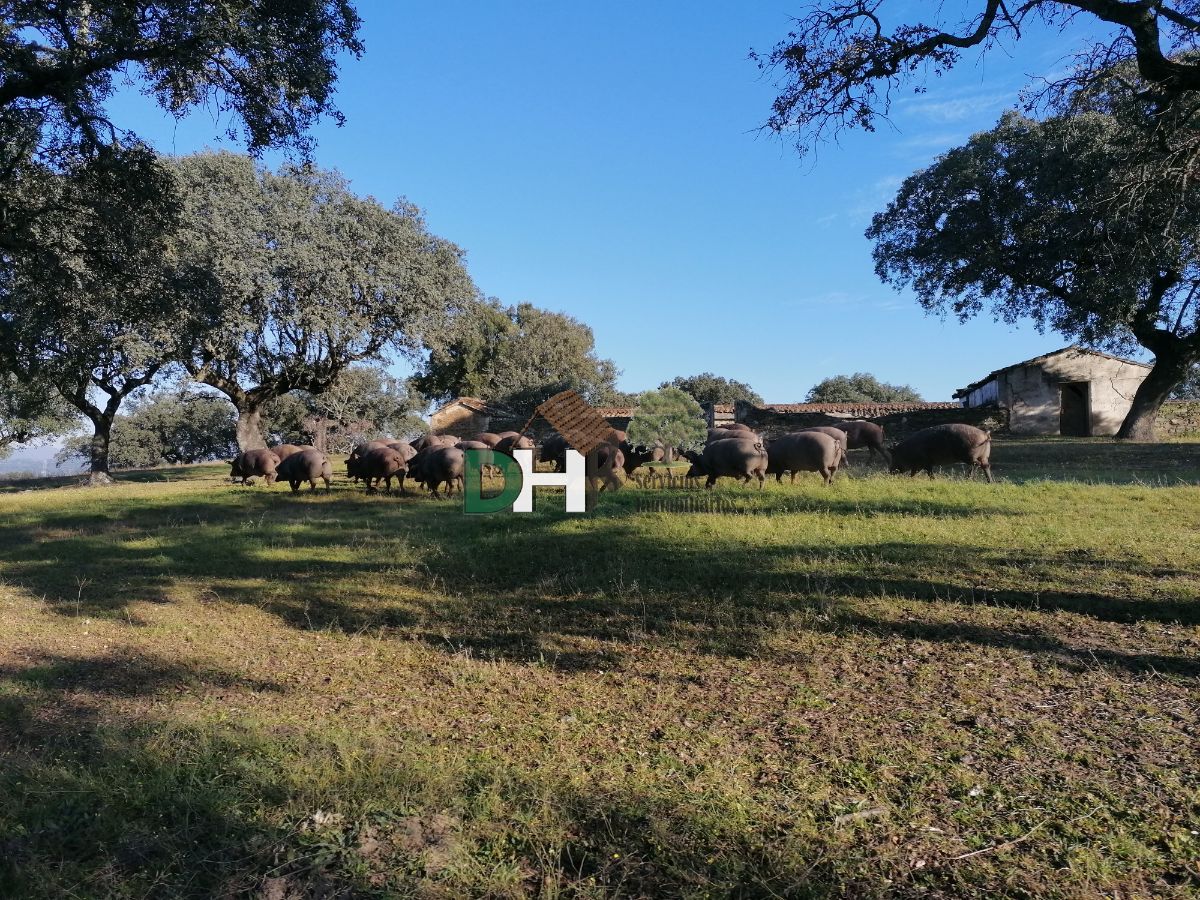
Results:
96 801
611 590
1095 461
542 588
199 472
1072 658
123 675
92 809
693 498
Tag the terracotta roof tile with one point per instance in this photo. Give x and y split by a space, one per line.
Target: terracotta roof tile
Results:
862 410
469 402
616 412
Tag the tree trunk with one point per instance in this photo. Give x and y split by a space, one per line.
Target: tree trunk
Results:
98 452
1169 370
249 428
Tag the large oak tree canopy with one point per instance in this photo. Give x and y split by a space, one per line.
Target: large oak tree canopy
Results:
85 210
515 357
270 65
302 278
86 306
844 60
1062 221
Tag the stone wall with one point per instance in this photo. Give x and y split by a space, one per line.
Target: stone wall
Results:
896 425
1178 418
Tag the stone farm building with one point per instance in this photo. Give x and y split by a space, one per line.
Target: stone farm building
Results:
462 417
1071 391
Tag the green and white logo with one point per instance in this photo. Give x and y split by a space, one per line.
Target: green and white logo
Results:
520 479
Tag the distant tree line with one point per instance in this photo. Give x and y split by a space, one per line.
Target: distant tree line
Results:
861 387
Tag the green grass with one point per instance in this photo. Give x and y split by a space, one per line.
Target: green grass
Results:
892 687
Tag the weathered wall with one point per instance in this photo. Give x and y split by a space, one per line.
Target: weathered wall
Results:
458 421
896 425
901 425
717 414
1032 393
1178 418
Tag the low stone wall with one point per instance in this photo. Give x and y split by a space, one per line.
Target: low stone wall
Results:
1178 418
901 425
895 425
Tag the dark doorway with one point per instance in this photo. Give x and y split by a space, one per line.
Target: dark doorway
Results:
1075 410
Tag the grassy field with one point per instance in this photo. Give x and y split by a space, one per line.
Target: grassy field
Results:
891 687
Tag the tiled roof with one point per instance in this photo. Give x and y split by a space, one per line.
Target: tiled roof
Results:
861 410
616 412
1079 351
473 403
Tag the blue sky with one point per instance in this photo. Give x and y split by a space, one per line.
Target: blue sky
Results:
605 160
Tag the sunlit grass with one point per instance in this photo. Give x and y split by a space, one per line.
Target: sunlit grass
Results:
889 686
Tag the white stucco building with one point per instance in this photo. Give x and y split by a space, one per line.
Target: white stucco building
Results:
1071 391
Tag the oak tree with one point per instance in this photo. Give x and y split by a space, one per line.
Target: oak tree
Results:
514 357
88 294
266 67
301 279
173 427
861 387
31 411
844 61
364 403
1068 221
668 416
709 388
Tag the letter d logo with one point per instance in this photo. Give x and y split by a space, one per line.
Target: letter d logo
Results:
473 500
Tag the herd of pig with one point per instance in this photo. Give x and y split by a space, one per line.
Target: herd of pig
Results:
732 451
